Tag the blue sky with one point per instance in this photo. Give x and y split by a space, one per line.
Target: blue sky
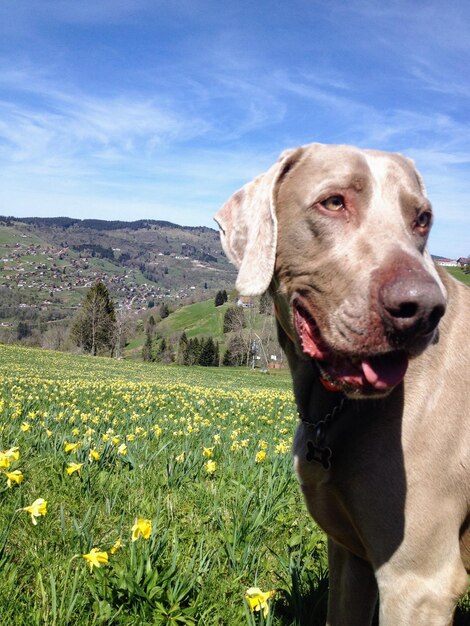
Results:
136 109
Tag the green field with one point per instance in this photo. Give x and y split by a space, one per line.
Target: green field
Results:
169 490
155 431
200 318
459 274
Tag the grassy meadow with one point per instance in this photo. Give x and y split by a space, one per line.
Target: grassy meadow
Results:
144 494
139 494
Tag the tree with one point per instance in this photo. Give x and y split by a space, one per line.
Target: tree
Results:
150 329
23 330
209 356
265 304
94 328
147 348
182 349
192 352
236 353
234 319
164 310
219 298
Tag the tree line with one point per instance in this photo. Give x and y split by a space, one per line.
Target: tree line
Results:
98 329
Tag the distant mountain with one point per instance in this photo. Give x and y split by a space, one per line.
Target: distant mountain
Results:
46 264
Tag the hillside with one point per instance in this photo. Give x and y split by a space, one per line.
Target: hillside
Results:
46 264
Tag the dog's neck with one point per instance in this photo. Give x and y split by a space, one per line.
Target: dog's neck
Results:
319 403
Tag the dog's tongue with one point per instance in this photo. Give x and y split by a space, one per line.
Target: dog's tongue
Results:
385 371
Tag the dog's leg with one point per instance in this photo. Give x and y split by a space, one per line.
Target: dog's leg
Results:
425 598
353 589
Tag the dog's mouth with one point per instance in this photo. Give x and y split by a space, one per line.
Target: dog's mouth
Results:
367 374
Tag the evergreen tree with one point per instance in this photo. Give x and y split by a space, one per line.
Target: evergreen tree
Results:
219 298
95 324
182 350
151 326
147 348
207 356
23 330
164 310
192 352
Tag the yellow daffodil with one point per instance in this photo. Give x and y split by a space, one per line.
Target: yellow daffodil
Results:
96 558
260 456
5 461
263 445
258 600
73 467
116 546
210 467
141 528
282 448
14 477
13 453
180 458
122 449
25 427
94 455
208 452
71 447
38 508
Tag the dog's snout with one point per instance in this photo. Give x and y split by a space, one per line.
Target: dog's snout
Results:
411 304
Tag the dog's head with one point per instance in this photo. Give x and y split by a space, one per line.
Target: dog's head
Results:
341 233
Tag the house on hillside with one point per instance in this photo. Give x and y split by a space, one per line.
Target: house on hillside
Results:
446 262
245 302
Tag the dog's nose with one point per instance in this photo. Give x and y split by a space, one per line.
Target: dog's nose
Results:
411 303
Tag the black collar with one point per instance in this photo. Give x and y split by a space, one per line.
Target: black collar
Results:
317 449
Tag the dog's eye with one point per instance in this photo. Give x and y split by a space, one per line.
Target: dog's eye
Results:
333 203
424 219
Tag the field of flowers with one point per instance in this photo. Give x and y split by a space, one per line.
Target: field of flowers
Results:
141 494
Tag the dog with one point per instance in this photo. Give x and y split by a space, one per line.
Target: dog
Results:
338 235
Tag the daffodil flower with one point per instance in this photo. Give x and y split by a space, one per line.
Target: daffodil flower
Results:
141 528
96 558
94 455
122 449
73 467
71 447
7 456
258 600
260 456
210 467
38 508
116 546
13 453
14 477
5 461
208 452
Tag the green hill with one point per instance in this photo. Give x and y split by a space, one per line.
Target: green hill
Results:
200 318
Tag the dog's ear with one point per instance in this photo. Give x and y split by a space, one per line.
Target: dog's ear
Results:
248 227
